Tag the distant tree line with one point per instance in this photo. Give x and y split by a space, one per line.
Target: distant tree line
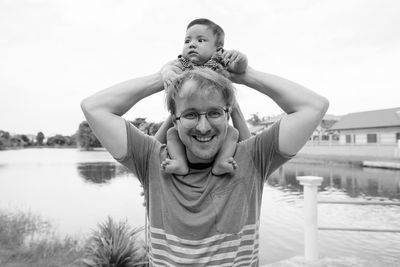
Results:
8 141
87 140
84 138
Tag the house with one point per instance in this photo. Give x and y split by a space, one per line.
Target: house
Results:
322 132
374 133
374 127
264 123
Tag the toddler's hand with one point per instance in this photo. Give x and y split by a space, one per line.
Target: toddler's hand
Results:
236 61
169 72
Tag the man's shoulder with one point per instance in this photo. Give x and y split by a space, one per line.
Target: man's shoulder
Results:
138 143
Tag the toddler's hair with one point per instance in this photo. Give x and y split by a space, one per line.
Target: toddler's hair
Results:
217 30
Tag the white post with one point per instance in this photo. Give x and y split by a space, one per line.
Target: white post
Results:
310 184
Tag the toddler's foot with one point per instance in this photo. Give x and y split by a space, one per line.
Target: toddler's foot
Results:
228 165
174 166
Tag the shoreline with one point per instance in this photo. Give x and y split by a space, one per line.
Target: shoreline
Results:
357 161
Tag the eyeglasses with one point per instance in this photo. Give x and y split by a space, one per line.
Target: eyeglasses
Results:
190 118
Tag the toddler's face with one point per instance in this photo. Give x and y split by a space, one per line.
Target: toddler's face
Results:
199 44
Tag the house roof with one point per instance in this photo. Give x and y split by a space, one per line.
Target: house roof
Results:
369 119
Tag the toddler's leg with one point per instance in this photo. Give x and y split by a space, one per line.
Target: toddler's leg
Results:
224 163
177 164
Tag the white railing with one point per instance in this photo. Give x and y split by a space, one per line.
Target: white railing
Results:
310 184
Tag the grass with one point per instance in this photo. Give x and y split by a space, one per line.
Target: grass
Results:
28 240
115 244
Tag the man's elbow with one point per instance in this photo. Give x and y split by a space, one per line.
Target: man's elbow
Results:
87 105
88 108
324 104
321 106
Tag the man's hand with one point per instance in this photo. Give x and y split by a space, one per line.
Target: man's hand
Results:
236 61
169 72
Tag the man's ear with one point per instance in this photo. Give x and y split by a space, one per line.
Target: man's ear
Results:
173 120
229 113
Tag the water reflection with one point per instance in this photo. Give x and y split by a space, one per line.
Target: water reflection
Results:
352 180
100 172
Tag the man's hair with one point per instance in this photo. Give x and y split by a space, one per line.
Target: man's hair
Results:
206 80
216 29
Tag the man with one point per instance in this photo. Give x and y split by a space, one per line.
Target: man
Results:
201 219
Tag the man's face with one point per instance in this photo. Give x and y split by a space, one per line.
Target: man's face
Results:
204 140
199 44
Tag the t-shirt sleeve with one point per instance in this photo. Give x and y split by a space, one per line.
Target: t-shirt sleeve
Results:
139 150
265 149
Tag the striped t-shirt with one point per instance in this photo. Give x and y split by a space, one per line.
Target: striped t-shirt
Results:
200 219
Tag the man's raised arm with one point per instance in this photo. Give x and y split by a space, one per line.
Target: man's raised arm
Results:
305 108
104 109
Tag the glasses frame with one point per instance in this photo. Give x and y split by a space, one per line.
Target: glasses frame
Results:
226 110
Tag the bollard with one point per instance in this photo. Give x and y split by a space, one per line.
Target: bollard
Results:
310 184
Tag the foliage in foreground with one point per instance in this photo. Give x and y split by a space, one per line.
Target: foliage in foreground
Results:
115 244
26 240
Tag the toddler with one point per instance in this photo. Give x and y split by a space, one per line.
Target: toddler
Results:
203 48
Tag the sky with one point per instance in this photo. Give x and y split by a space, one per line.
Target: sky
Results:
55 53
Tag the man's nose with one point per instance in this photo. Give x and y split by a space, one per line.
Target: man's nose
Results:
203 126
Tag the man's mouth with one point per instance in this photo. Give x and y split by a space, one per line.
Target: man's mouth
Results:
203 139
193 53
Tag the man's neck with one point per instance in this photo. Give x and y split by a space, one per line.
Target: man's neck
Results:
195 161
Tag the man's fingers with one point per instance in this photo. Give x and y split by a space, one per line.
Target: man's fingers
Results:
226 56
234 57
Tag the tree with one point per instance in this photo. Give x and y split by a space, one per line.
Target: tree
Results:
4 140
5 135
254 120
138 122
39 138
153 127
86 138
58 140
149 128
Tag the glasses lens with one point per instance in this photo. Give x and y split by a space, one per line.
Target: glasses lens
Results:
189 119
215 113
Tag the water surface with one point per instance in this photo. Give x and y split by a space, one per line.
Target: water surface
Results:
76 190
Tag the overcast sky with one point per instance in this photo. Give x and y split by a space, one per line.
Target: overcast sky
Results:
55 53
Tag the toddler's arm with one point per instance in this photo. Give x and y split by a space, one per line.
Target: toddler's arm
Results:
239 122
161 134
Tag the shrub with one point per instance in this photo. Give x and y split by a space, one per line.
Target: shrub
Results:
115 244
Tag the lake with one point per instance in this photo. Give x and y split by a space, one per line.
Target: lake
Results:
76 190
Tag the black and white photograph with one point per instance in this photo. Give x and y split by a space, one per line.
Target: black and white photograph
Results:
199 133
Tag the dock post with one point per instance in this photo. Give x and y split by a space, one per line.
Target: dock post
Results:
310 184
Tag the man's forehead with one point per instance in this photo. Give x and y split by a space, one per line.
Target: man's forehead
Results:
191 96
192 89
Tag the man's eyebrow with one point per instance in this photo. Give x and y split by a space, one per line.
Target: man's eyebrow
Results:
189 109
